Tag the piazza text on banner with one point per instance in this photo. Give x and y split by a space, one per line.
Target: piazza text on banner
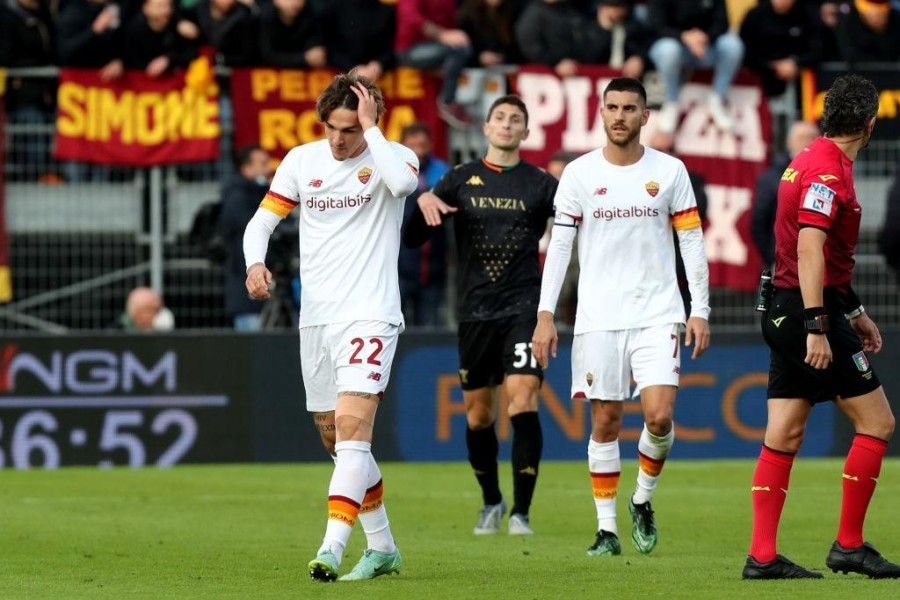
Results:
565 115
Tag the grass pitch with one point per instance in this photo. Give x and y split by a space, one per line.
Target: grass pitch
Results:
248 532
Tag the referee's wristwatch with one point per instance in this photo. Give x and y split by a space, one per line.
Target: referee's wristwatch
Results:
815 321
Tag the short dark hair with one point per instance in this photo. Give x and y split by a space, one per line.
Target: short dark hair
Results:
417 128
339 95
508 99
242 156
626 84
850 103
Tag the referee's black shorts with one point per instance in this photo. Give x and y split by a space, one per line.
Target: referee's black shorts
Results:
489 350
849 374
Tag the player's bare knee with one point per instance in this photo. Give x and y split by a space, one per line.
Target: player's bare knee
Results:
606 427
882 428
786 440
659 424
479 417
347 427
525 402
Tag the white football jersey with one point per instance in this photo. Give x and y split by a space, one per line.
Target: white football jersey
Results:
349 233
625 242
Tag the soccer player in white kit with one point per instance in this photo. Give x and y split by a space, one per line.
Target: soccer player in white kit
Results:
350 188
624 200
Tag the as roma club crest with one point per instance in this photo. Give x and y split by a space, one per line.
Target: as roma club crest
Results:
652 188
364 175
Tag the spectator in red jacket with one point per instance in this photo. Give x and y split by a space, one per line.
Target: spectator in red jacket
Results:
428 38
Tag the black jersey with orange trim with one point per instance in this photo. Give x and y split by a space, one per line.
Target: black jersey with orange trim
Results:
816 190
502 213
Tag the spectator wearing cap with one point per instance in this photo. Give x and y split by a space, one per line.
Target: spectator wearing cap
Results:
618 39
869 32
694 34
781 37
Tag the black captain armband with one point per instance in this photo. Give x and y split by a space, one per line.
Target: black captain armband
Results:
815 320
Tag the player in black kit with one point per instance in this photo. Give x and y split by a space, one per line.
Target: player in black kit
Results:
501 205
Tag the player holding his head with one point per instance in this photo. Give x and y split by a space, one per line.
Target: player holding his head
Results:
623 201
350 188
819 334
501 206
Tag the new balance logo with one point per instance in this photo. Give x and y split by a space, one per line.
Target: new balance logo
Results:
850 477
777 322
760 488
600 192
315 183
528 471
474 180
374 376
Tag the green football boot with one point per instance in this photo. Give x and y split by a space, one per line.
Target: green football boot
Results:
323 567
643 527
374 563
607 544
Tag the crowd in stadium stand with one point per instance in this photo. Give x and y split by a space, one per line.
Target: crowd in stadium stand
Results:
776 38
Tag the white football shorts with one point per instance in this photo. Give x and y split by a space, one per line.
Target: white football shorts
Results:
354 356
603 362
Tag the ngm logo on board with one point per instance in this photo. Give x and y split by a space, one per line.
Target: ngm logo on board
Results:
86 371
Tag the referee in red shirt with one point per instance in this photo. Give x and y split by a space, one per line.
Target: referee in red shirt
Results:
819 334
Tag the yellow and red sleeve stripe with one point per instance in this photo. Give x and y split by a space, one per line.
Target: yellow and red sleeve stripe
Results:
278 204
686 219
650 466
605 485
343 509
373 499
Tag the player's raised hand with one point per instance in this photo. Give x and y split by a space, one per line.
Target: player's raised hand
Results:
433 207
545 339
697 332
367 111
259 278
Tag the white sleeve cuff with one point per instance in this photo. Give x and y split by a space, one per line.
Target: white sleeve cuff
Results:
256 236
555 266
696 270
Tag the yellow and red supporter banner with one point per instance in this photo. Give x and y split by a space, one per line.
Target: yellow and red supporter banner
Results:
564 114
135 121
276 108
5 280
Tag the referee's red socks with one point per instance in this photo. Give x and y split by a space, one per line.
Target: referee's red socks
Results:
861 472
769 489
